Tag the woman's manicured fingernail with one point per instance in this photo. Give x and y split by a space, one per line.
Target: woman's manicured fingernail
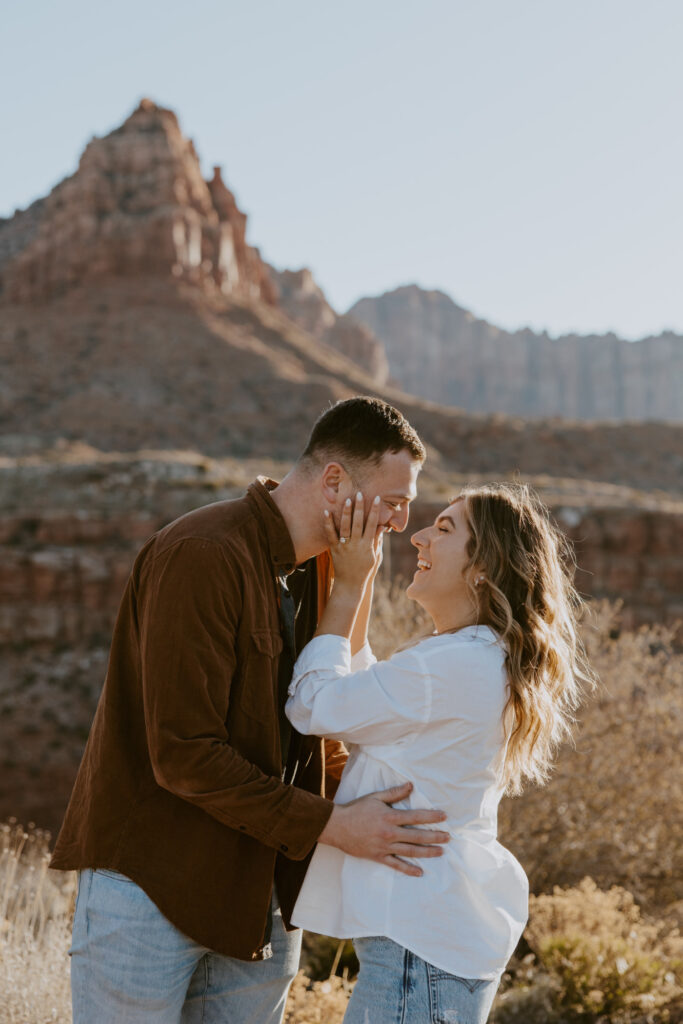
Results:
359 496
326 513
348 501
376 501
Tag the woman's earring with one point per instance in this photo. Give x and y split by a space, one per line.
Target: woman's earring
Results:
479 580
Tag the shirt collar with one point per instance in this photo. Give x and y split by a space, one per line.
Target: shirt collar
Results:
280 544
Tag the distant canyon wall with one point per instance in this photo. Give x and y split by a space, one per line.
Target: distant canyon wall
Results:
438 350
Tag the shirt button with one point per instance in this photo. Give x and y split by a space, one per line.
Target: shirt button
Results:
284 848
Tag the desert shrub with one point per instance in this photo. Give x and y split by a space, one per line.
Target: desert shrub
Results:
592 958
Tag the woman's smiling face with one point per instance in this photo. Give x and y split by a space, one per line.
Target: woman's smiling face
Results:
439 584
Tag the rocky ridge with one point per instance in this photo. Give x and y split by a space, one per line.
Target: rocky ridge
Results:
304 302
137 206
440 351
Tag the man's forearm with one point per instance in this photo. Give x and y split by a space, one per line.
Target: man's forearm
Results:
237 793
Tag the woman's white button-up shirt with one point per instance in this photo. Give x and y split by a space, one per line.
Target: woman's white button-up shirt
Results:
431 714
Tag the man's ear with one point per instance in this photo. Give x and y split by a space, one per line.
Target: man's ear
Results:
333 477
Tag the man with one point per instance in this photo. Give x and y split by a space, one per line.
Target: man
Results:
196 807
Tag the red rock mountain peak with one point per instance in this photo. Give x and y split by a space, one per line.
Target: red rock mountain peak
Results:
137 204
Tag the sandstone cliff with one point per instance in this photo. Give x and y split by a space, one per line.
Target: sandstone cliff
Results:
438 350
137 206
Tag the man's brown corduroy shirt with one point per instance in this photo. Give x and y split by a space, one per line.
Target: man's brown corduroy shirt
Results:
180 784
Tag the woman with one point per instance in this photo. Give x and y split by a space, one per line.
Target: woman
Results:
465 714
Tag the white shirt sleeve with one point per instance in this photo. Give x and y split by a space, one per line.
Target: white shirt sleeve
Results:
363 658
385 702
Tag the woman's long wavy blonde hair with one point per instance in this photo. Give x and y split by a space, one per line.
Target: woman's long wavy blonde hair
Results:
528 598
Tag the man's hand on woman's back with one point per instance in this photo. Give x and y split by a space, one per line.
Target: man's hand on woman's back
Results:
371 828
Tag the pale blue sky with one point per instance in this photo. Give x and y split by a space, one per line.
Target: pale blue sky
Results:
525 156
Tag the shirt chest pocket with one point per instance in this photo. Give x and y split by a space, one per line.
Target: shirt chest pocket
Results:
259 675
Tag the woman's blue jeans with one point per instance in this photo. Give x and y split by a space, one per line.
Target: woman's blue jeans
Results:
396 987
130 965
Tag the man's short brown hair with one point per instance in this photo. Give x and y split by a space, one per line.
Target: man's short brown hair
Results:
361 429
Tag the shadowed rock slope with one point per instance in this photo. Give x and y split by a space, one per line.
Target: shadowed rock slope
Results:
125 365
304 302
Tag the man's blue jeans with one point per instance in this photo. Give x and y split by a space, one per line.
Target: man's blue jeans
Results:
130 965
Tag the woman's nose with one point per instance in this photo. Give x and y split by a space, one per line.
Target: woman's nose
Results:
416 539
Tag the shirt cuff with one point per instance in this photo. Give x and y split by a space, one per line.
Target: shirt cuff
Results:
328 652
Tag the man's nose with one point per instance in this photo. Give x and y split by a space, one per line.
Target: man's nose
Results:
399 519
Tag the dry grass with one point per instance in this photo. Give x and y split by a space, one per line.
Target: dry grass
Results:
317 1002
613 810
36 907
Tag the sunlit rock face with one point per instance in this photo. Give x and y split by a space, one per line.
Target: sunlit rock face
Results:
137 205
440 351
